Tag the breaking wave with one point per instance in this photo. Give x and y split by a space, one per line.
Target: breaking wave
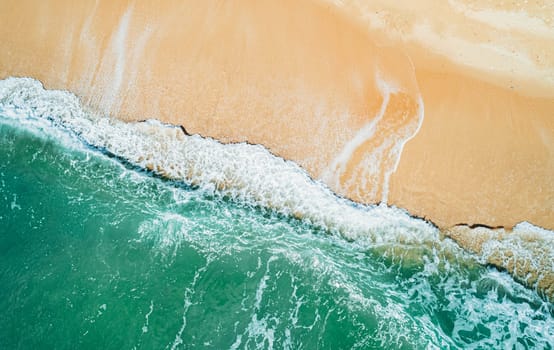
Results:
243 172
251 174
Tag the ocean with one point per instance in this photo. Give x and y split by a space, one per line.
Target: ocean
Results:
135 236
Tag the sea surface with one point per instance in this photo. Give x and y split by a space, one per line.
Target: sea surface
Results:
135 236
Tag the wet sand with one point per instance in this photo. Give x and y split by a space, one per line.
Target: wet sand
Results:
525 253
444 108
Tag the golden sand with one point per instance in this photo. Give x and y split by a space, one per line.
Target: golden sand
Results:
445 108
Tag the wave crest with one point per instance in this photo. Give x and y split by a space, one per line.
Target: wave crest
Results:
245 172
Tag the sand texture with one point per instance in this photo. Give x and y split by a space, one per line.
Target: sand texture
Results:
445 108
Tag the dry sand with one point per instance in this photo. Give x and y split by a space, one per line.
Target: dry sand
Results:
443 108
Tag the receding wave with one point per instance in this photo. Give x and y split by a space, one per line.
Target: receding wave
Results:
241 171
526 252
251 174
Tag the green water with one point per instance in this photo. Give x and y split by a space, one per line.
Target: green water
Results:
97 255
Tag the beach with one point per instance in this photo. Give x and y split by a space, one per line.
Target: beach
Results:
442 109
360 174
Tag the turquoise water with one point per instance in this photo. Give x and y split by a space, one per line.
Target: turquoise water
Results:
98 253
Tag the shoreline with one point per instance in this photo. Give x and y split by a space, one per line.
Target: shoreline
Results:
523 251
354 97
442 108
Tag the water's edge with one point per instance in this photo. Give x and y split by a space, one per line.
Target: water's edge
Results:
251 174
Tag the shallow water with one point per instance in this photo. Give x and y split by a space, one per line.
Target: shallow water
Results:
98 253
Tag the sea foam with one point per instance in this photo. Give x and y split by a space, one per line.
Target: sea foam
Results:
243 172
251 174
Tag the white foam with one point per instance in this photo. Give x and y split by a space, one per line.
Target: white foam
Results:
527 255
147 318
403 142
528 227
338 165
526 252
373 171
248 173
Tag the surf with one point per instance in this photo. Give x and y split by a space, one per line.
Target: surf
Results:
203 254
250 174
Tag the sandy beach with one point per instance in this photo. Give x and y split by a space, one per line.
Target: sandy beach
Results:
443 108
